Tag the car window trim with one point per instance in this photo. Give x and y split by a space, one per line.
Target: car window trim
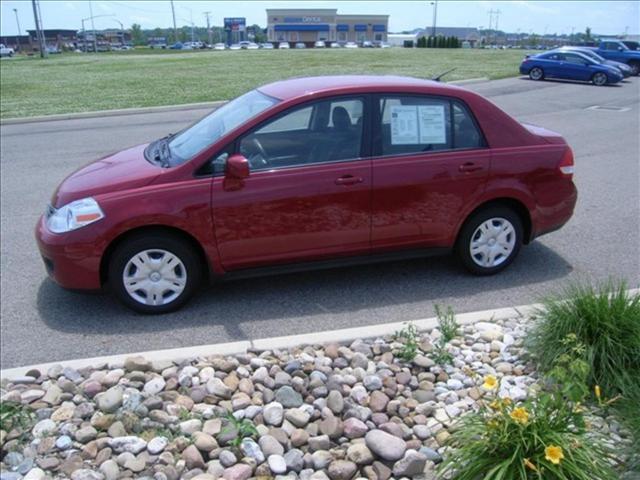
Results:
376 131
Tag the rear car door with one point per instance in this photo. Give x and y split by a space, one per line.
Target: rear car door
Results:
308 195
430 161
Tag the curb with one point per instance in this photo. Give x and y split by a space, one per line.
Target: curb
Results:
274 343
111 113
163 108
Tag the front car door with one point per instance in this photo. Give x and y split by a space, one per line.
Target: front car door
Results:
308 195
576 67
430 161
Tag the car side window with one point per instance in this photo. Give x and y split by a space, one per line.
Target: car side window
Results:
465 131
324 131
414 124
575 59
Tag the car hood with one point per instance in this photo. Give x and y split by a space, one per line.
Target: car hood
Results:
123 170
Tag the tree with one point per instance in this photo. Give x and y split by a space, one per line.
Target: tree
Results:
440 41
258 34
429 42
136 34
587 33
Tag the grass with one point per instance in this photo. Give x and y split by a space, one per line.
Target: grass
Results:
86 82
606 321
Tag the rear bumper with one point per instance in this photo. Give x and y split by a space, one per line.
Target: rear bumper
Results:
550 219
72 260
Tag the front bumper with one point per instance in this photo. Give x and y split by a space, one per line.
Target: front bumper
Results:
72 259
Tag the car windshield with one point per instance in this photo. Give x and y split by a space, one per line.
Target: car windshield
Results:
207 131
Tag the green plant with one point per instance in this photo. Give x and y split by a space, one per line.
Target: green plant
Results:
606 321
570 370
448 330
15 415
151 433
409 338
542 438
243 428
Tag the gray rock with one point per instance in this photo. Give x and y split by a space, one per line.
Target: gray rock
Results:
86 474
154 386
385 445
192 457
372 382
131 444
270 446
288 397
341 470
360 454
137 363
188 427
431 454
241 471
216 387
354 428
44 428
321 459
294 460
227 458
411 464
64 442
252 449
297 417
335 402
157 445
110 400
110 469
273 414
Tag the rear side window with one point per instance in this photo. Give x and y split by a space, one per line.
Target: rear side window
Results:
421 124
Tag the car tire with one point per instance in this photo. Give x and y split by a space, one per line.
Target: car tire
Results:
490 240
166 269
536 73
599 79
635 68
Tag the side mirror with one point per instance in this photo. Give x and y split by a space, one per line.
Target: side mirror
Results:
620 49
237 167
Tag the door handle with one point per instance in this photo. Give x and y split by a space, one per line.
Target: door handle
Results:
469 167
348 180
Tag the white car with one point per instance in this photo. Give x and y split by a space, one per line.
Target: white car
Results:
335 45
319 44
300 45
235 46
219 46
253 46
283 45
267 46
385 45
351 45
6 51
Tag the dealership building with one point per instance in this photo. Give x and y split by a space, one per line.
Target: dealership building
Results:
324 24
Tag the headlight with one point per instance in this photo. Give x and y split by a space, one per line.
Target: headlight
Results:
73 215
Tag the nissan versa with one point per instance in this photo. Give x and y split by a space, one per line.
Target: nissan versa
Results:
309 173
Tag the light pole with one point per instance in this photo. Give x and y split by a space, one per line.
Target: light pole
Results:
206 14
175 29
121 29
84 33
435 16
15 10
39 33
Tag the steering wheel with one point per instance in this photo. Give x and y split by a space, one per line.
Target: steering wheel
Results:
261 159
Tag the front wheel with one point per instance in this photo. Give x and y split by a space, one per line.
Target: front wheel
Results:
599 79
154 274
635 68
536 73
490 240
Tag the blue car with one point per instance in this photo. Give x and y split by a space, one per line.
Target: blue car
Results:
569 66
623 67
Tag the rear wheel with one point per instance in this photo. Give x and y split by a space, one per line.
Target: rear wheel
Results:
599 79
635 68
154 274
490 240
536 73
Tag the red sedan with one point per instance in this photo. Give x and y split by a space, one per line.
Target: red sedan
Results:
309 173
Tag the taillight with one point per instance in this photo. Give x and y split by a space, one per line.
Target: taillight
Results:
566 164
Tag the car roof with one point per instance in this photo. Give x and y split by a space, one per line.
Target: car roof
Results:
306 86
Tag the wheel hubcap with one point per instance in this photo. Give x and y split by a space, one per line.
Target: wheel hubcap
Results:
154 277
492 242
600 79
536 73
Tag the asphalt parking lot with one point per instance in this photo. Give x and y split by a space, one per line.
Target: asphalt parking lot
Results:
41 322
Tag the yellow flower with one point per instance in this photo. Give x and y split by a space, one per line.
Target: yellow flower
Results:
553 454
496 404
597 391
529 465
490 382
506 401
493 423
520 415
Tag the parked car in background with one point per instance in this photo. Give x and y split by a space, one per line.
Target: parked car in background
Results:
235 46
618 51
6 51
385 45
367 44
631 45
267 46
367 168
53 49
219 46
177 46
335 45
623 67
300 45
320 44
569 66
283 45
252 46
351 45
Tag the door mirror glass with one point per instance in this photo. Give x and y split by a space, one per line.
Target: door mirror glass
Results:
237 167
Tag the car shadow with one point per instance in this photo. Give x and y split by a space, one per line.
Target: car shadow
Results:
335 292
572 82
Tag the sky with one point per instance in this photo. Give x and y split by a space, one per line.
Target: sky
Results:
604 17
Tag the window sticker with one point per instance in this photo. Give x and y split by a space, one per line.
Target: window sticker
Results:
404 125
432 124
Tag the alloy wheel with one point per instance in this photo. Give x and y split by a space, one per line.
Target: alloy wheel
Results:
154 277
492 242
599 79
536 73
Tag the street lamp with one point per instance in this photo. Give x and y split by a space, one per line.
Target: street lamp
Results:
15 10
121 29
435 14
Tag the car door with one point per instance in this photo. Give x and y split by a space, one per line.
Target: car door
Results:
576 67
308 194
430 162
